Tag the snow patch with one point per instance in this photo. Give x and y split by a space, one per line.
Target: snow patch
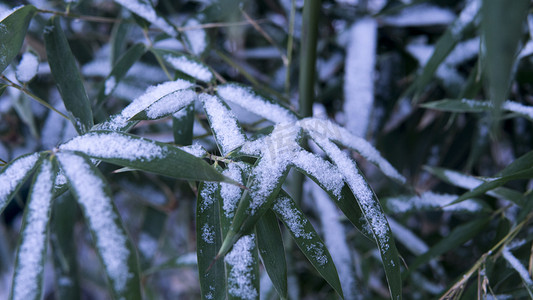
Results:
197 38
110 85
241 261
28 67
292 217
230 193
430 200
145 10
12 175
420 15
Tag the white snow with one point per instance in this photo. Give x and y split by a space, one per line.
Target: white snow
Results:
188 259
407 238
208 234
230 193
317 253
4 14
110 85
171 103
147 245
197 38
28 66
292 217
12 175
111 240
240 260
194 149
325 173
420 15
517 265
189 67
114 145
359 75
430 200
227 131
208 195
248 100
32 250
467 15
145 10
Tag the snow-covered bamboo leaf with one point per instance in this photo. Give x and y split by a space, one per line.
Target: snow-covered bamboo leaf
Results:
246 98
243 269
120 69
12 33
145 10
182 125
195 37
371 210
13 176
519 268
123 122
186 64
231 194
270 245
208 240
67 76
476 106
167 105
114 247
327 129
143 154
501 29
307 239
29 264
226 129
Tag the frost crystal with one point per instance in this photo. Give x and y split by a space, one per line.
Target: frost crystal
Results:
241 261
421 15
317 252
517 265
28 66
293 218
13 174
110 239
114 145
245 98
224 124
190 67
33 247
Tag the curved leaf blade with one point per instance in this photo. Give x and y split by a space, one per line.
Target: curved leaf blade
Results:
31 254
114 247
12 33
67 76
13 176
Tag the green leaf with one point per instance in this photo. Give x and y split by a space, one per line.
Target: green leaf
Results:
13 176
307 239
31 254
120 68
243 269
143 154
208 240
114 247
119 38
167 105
501 28
270 245
182 125
186 65
12 33
67 76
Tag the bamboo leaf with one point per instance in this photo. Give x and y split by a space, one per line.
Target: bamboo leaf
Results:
67 76
143 154
182 125
145 10
270 245
13 176
114 247
474 106
307 239
208 241
12 33
186 260
186 64
31 254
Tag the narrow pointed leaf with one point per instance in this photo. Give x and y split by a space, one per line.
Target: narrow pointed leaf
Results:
13 176
167 105
270 245
182 125
31 254
114 247
307 239
243 269
475 106
143 154
67 76
208 240
12 33
120 69
186 64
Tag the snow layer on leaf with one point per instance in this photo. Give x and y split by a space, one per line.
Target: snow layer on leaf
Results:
230 193
420 15
30 256
517 265
189 67
171 103
461 180
13 173
28 66
325 173
227 131
359 75
110 85
208 195
329 130
293 218
151 95
4 14
145 10
357 183
194 149
245 98
114 145
408 238
197 38
467 15
241 261
430 200
335 239
110 239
